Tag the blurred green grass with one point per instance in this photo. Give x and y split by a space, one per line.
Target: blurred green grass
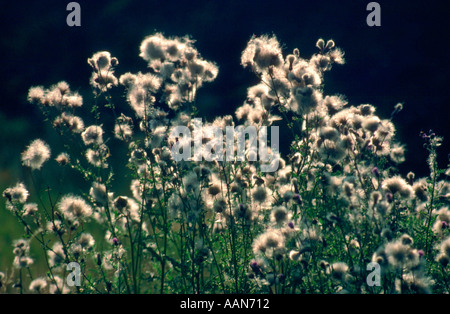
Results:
11 131
15 135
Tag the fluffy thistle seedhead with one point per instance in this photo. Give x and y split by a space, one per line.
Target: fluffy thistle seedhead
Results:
30 209
17 193
397 153
279 215
178 66
86 241
269 242
371 123
442 221
242 211
98 156
339 271
102 61
445 247
98 193
21 247
103 78
59 96
220 204
93 135
36 154
259 194
156 49
74 123
400 253
127 206
63 159
74 208
38 285
21 252
261 53
36 95
398 185
214 189
58 286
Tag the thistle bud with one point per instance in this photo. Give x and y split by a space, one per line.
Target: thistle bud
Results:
290 60
114 61
330 44
376 172
320 44
410 176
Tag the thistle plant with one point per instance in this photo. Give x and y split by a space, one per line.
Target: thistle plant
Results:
335 203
